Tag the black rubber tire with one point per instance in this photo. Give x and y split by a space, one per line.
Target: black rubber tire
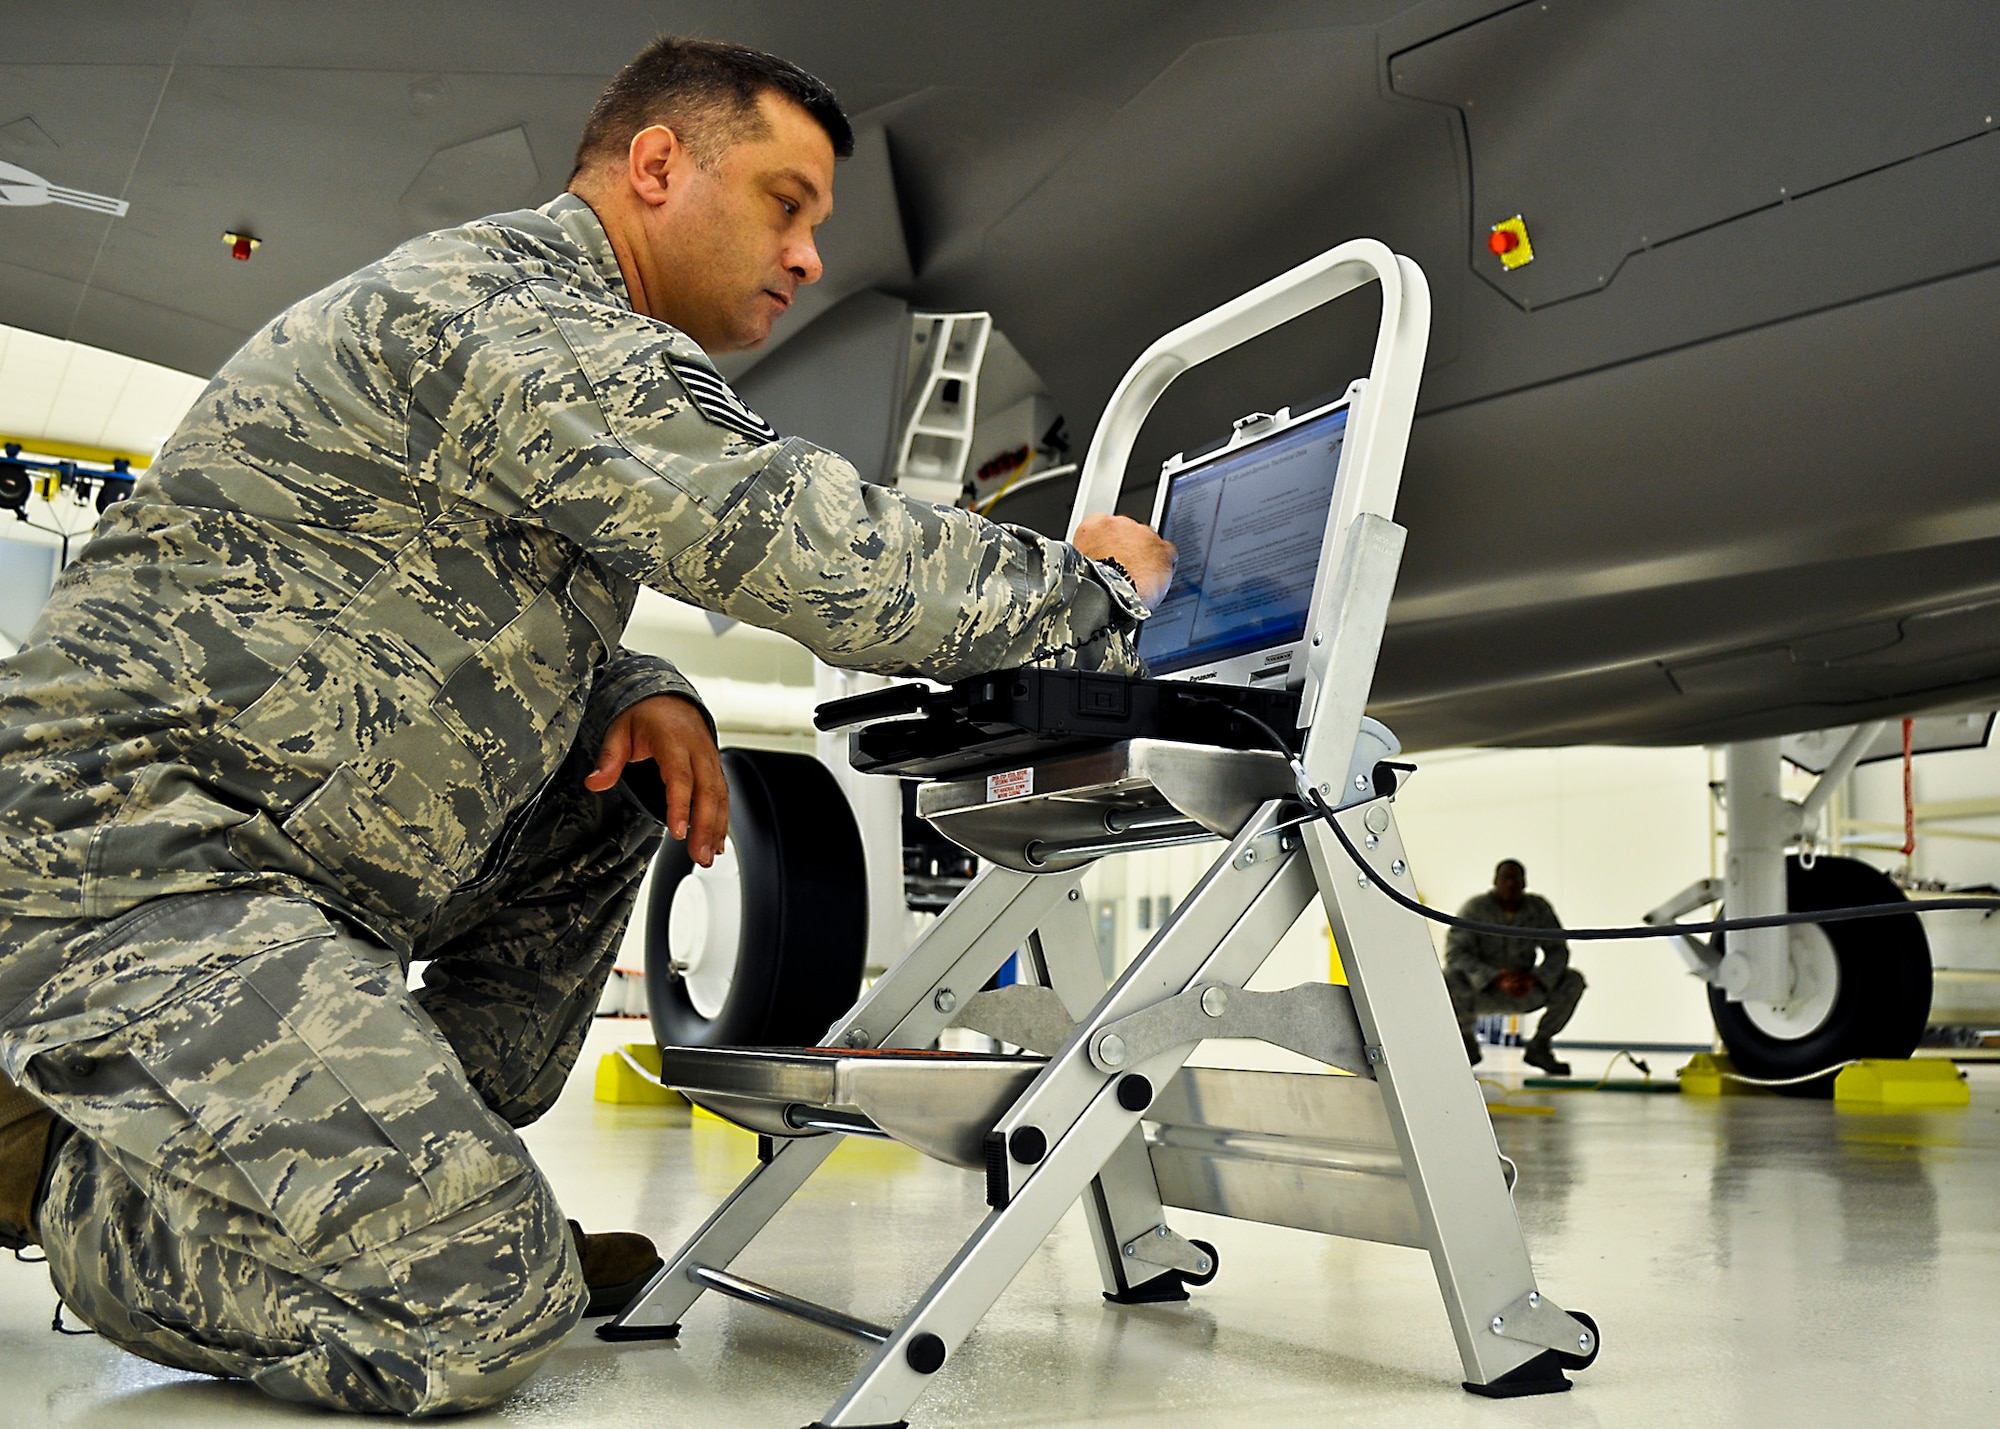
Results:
1575 1362
1884 998
804 930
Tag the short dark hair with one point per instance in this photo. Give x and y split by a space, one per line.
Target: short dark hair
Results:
1513 863
706 91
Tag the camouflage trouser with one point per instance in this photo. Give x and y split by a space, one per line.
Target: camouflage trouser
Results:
287 1168
1471 1003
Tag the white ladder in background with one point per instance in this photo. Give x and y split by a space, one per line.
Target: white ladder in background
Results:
947 351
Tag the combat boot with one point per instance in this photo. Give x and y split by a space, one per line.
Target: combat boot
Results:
616 1267
24 1148
1540 1054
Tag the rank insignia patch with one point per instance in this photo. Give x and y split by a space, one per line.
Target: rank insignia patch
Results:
718 403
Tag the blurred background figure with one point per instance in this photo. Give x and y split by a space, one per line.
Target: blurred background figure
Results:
1491 972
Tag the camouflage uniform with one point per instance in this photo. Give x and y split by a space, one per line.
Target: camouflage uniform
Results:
301 711
1472 961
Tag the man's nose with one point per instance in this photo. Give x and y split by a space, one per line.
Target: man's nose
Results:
803 263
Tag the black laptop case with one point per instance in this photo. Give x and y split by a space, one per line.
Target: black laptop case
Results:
1012 718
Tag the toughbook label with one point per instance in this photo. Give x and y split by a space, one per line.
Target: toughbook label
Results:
718 402
1011 785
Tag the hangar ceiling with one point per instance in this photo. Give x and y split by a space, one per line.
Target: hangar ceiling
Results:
1718 463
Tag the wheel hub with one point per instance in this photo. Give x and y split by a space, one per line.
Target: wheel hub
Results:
704 932
1815 986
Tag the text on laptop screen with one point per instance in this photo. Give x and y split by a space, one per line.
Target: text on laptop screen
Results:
1249 526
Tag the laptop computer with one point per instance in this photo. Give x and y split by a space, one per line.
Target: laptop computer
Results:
1255 519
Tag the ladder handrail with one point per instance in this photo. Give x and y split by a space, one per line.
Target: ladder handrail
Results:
1377 433
1359 558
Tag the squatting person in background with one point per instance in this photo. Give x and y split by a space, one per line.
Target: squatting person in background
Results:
1488 972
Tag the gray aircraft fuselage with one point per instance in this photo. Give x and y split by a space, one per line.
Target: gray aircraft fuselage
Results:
1719 463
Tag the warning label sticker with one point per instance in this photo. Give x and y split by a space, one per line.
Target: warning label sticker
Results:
1011 785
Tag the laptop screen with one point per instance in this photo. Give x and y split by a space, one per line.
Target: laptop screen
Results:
1249 523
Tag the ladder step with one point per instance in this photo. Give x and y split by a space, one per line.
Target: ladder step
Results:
1309 1150
750 1292
941 1104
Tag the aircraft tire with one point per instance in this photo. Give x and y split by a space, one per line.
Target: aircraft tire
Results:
1880 992
765 949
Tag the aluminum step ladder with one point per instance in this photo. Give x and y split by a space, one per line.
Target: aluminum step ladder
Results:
1395 1146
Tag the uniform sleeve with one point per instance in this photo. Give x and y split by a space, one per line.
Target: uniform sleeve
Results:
1555 951
558 410
1458 943
1464 950
626 679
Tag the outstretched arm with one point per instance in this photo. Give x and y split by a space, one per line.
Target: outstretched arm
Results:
569 413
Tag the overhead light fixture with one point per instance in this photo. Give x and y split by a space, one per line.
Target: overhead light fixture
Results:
242 245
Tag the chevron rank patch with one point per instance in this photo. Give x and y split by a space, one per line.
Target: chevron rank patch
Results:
718 402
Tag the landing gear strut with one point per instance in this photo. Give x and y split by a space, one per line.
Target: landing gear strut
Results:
1791 1001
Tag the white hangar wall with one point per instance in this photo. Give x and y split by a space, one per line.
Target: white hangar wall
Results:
1605 833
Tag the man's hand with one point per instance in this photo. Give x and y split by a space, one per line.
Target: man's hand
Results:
1147 557
1515 982
671 731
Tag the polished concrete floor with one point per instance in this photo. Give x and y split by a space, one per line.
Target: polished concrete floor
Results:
1752 1261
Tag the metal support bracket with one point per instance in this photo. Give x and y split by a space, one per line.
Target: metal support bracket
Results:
1316 1020
750 1292
1537 1320
1024 1014
1163 1247
1700 954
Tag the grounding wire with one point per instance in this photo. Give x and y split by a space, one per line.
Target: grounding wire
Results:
1799 1080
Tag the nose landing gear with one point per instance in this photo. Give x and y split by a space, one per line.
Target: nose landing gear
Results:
1859 989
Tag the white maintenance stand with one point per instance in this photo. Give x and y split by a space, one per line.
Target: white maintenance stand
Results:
1103 1108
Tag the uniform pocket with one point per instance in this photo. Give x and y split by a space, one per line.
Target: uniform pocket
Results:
375 855
517 701
315 1079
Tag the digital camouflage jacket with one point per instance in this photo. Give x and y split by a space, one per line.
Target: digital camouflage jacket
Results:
1483 956
345 627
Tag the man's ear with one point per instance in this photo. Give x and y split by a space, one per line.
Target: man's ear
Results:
652 162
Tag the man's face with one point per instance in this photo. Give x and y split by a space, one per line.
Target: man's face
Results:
1510 881
734 242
